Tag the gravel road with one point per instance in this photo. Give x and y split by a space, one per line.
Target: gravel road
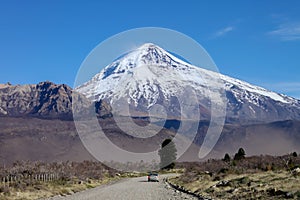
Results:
129 189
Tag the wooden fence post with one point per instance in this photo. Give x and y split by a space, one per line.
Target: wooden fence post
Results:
7 181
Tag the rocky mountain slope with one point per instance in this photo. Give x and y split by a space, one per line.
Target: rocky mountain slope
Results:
43 100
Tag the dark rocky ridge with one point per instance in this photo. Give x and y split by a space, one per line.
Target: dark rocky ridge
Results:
44 100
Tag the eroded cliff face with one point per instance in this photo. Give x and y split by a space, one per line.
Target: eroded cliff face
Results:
43 100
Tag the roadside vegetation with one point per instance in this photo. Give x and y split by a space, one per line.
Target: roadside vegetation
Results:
233 177
33 180
39 180
240 177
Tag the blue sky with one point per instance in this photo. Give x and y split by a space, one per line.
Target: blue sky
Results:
256 41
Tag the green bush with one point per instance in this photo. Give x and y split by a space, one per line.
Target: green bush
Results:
240 154
226 158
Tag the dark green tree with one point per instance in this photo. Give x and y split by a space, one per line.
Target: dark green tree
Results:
295 154
226 158
167 153
240 154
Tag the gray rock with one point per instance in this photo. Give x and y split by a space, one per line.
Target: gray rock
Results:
46 100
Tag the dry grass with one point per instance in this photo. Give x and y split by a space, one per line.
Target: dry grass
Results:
257 177
261 185
70 177
44 190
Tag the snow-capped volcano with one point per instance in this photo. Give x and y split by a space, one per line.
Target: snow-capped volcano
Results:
150 75
138 65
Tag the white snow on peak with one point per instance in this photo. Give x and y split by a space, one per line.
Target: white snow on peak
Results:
253 89
148 45
150 71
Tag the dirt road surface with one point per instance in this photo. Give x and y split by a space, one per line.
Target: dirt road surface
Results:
129 189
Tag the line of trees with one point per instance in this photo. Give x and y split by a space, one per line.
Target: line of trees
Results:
238 156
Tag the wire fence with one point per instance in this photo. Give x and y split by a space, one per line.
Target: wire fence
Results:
44 177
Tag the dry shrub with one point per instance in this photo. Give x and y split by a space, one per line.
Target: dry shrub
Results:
219 168
24 175
4 189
